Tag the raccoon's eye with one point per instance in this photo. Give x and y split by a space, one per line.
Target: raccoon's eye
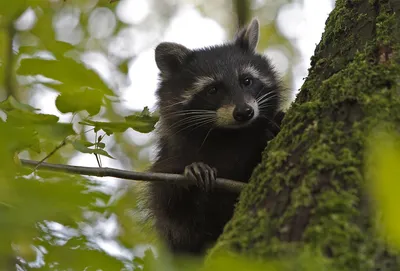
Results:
212 90
247 81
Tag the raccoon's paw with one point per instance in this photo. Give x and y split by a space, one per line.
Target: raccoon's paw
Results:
202 174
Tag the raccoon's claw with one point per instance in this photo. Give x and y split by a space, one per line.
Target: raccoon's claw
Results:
203 175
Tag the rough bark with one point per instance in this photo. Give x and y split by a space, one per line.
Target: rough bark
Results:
309 191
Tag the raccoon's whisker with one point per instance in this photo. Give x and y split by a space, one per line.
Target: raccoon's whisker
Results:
205 138
259 92
185 121
194 111
193 116
184 115
271 121
266 108
265 96
265 100
174 104
179 118
262 96
205 122
187 112
191 119
266 104
198 123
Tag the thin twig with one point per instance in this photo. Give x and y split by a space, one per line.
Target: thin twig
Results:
129 175
51 153
96 147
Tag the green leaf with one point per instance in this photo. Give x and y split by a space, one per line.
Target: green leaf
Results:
385 185
4 43
124 67
11 103
43 29
26 49
20 118
108 127
65 70
10 10
78 100
21 138
76 255
22 114
61 47
100 145
13 140
85 143
142 122
81 146
57 131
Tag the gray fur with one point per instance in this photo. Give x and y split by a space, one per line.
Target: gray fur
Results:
247 38
169 56
199 131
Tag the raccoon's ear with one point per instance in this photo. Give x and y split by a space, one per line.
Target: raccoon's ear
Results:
169 56
247 38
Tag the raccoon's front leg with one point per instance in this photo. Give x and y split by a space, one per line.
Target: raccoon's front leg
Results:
202 174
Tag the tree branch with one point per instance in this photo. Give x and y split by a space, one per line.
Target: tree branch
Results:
128 175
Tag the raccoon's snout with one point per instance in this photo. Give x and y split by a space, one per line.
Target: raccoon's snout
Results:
236 116
243 113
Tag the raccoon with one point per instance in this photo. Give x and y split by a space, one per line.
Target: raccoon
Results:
219 106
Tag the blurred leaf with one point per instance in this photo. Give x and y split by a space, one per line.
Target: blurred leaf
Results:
225 262
18 138
83 258
43 29
57 131
100 145
20 118
77 100
124 67
10 103
51 200
22 114
3 54
385 186
148 260
10 10
65 70
82 147
61 47
142 122
26 49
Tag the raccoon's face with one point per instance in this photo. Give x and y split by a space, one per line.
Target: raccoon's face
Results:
227 86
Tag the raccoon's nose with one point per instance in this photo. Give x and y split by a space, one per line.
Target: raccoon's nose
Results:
243 113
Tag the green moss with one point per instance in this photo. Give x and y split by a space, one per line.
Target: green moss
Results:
385 23
309 189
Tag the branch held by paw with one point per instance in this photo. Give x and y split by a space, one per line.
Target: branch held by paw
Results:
128 175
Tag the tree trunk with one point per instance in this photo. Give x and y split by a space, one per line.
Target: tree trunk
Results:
309 191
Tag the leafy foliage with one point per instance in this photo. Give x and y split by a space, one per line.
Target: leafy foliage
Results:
49 220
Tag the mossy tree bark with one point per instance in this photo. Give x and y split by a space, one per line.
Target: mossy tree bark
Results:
309 190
